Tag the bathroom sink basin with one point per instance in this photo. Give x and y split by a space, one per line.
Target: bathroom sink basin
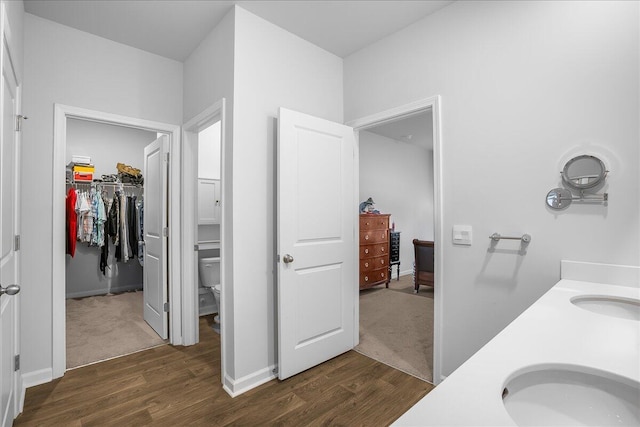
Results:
625 308
571 396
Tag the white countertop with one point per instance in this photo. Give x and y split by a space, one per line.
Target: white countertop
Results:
552 331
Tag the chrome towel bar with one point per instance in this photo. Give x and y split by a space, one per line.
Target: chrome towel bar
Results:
525 238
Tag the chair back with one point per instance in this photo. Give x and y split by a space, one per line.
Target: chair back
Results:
423 255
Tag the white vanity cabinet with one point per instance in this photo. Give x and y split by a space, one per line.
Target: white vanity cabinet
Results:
208 201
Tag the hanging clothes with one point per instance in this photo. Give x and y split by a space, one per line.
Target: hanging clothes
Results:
124 238
113 227
85 220
72 222
140 221
104 250
102 219
99 218
132 225
94 218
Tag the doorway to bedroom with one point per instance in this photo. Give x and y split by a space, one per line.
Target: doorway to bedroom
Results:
397 172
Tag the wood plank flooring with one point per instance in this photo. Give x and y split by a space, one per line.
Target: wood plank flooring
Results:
177 386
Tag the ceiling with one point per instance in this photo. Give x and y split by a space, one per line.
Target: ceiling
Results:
416 130
340 27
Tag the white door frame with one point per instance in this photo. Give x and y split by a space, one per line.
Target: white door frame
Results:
190 308
58 322
8 46
433 104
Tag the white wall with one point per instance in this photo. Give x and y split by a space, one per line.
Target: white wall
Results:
273 68
399 178
208 71
15 16
67 66
209 152
106 145
209 77
524 86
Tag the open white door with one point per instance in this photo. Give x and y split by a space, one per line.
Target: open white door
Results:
156 312
9 171
317 208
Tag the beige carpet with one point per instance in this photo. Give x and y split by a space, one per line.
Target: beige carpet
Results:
103 327
396 327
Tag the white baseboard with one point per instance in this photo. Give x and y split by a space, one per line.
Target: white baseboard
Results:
241 385
21 393
35 378
100 292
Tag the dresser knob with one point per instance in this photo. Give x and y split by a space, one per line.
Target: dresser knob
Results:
381 249
381 274
366 251
366 264
366 237
366 278
381 261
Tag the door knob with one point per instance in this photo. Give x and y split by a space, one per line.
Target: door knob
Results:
287 259
9 290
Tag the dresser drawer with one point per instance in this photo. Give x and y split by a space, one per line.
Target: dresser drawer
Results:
374 222
374 276
370 264
373 236
370 251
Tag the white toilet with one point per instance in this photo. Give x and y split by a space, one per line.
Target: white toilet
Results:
209 269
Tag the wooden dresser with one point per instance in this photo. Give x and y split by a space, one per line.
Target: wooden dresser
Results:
374 250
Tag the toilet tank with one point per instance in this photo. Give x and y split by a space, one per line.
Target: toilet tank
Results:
209 271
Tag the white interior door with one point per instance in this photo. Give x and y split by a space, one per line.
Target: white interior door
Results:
9 170
155 229
317 208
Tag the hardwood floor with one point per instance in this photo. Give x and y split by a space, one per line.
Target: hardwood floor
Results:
181 386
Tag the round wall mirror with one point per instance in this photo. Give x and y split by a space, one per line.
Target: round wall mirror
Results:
584 172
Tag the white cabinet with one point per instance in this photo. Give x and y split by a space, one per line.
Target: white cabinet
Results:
208 201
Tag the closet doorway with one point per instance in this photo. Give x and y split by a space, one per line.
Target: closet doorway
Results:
399 168
104 274
99 309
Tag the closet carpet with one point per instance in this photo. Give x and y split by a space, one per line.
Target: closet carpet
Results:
103 327
396 327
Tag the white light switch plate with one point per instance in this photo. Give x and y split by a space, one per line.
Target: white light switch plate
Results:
462 234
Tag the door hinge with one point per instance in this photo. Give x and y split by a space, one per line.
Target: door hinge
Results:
16 362
165 307
16 243
166 157
19 119
165 231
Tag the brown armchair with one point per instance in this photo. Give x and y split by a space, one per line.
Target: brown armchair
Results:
423 274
